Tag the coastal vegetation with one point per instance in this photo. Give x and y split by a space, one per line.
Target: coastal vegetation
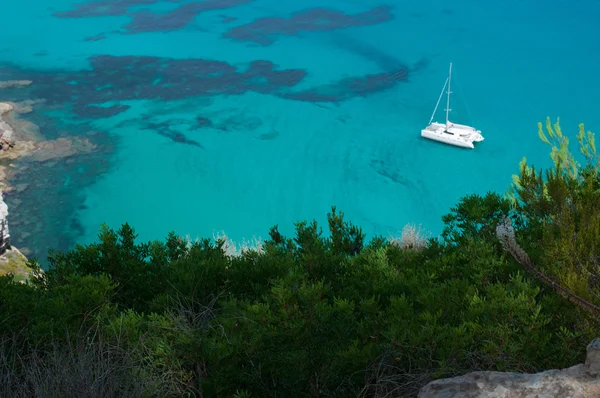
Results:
13 262
512 284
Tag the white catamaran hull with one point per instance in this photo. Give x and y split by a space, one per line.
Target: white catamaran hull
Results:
456 134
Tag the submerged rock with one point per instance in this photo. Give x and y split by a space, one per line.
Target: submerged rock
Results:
579 381
25 106
61 148
21 139
14 83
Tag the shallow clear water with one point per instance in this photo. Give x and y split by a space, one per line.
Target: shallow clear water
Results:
208 146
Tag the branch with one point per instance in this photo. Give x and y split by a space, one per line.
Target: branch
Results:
506 233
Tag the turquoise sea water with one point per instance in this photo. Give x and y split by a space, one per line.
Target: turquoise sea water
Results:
202 138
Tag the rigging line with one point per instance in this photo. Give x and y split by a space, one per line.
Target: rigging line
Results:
464 99
438 102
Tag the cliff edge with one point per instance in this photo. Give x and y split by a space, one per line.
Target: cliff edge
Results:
21 139
12 261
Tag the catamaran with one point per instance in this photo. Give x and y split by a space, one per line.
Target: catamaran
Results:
451 133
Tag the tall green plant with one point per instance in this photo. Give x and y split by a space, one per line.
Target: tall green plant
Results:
559 217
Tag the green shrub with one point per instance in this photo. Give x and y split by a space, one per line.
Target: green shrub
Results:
314 315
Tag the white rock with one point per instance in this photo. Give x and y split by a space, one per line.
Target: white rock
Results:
592 360
4 234
579 381
5 107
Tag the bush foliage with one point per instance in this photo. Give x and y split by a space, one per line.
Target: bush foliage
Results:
318 314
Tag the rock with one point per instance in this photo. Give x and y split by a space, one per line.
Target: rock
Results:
579 381
26 251
6 131
62 148
25 106
592 360
4 235
21 187
19 149
14 83
22 139
5 107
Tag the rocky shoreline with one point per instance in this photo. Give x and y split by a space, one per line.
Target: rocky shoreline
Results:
20 139
11 259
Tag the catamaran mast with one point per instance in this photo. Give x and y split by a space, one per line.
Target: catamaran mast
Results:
448 97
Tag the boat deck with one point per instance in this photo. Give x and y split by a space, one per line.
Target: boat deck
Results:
434 127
